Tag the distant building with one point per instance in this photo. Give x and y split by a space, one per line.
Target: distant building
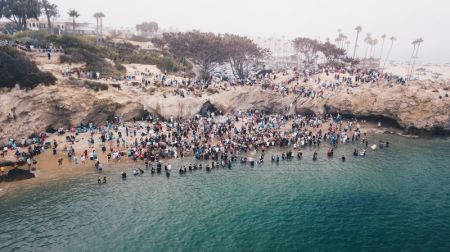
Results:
62 27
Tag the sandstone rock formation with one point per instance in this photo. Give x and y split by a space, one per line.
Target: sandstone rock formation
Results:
419 106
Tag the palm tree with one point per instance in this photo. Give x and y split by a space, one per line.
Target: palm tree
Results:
97 17
417 43
389 51
358 30
414 43
102 15
338 40
373 44
383 38
347 43
74 15
367 40
344 38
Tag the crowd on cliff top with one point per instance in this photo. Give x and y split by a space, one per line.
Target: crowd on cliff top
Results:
308 85
351 78
146 77
213 137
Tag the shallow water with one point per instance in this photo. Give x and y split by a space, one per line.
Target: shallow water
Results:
393 199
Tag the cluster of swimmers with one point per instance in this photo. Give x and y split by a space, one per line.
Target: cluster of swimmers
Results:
227 163
217 138
101 181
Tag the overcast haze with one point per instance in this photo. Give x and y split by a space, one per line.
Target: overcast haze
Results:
404 19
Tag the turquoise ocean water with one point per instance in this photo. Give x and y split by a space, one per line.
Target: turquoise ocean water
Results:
396 199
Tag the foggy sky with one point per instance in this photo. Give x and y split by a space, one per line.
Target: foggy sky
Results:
404 19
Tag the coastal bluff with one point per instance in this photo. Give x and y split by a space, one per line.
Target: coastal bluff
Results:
419 106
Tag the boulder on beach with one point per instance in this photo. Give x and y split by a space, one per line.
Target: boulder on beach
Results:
16 175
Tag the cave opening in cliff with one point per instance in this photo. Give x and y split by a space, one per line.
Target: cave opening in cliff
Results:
208 108
385 121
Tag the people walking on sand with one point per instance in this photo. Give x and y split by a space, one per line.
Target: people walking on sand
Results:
34 164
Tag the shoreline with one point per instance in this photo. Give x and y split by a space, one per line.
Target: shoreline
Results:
49 170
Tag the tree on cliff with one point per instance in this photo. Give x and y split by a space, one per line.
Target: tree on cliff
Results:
204 49
19 11
308 48
242 54
332 53
50 11
16 68
147 28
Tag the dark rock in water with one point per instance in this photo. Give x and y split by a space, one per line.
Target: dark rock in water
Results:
207 107
11 163
16 174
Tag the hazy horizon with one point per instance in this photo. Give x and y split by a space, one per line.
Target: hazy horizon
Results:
406 20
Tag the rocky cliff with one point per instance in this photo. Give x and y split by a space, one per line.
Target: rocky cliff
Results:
419 106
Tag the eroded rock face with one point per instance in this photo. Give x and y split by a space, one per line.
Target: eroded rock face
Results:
411 107
420 106
102 111
50 108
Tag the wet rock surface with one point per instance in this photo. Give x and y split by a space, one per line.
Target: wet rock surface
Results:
16 175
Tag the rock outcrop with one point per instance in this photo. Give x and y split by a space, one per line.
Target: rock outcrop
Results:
16 175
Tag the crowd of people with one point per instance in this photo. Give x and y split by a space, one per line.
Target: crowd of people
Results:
220 138
216 139
308 85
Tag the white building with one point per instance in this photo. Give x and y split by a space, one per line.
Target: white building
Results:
62 27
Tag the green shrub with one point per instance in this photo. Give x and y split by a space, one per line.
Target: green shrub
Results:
170 65
94 62
16 68
67 42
